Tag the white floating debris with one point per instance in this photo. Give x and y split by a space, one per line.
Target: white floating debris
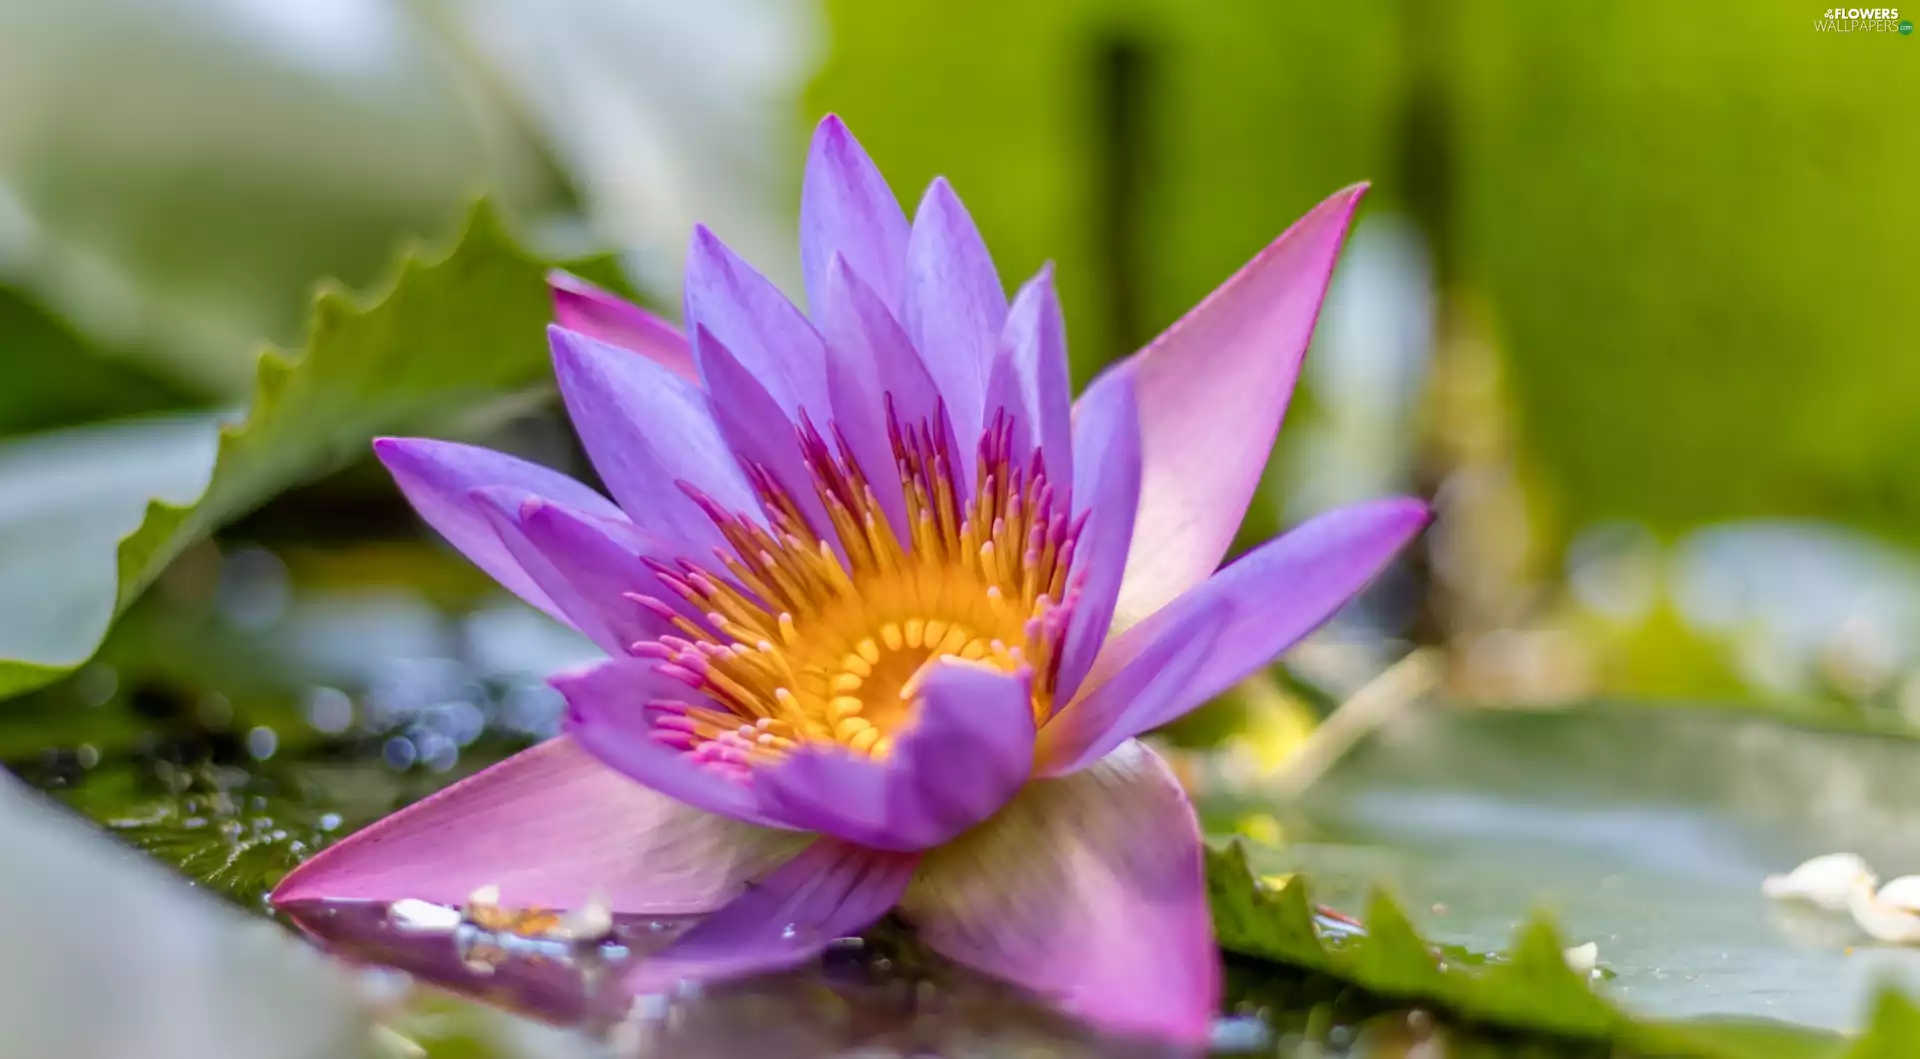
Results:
1891 913
487 896
591 922
1829 880
1582 959
423 917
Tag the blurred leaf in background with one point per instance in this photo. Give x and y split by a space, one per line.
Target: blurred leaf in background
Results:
93 929
176 176
453 340
1692 228
662 114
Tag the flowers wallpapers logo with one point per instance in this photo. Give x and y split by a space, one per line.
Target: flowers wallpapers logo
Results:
885 610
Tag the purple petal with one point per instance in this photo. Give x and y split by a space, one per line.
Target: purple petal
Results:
1150 685
758 430
1029 379
606 715
1088 890
648 430
847 209
550 827
1213 389
1107 488
586 564
1260 605
437 478
955 306
742 308
601 314
871 365
968 748
829 891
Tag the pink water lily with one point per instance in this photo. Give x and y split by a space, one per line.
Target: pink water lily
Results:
885 609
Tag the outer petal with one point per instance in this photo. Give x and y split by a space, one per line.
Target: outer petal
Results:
766 333
1260 605
1213 389
1107 490
1029 378
598 313
831 890
955 306
437 478
847 210
606 715
647 431
969 748
587 565
551 827
1088 890
872 368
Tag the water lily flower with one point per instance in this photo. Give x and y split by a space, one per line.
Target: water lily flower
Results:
885 609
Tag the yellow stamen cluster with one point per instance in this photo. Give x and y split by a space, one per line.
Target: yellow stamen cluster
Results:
825 636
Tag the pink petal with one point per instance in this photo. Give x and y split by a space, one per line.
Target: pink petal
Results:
598 313
1106 489
966 751
1213 389
1029 379
955 306
1153 683
647 432
438 479
872 367
607 715
739 306
1235 622
831 890
587 565
1088 890
848 211
758 430
550 827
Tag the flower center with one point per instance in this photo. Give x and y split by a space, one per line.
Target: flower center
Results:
808 633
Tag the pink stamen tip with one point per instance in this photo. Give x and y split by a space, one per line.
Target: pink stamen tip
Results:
667 706
675 723
680 673
653 649
672 739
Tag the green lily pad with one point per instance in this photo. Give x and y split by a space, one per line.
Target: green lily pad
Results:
451 341
1645 831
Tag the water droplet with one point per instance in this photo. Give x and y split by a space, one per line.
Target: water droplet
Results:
399 752
790 932
329 821
262 742
329 710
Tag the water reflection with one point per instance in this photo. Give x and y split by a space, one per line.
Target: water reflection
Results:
867 997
